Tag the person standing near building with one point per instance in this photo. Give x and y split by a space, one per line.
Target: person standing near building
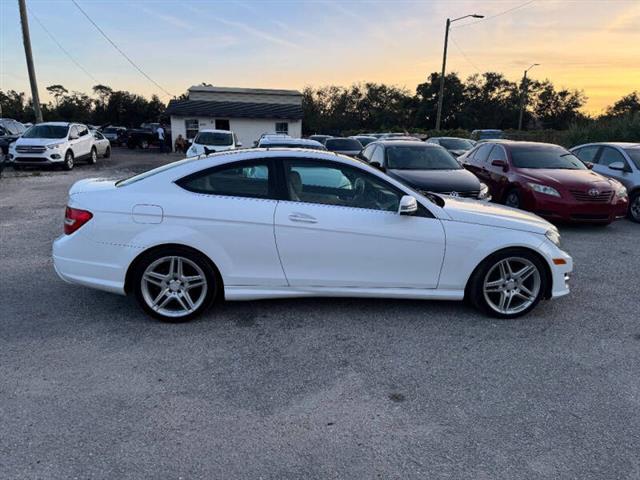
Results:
160 132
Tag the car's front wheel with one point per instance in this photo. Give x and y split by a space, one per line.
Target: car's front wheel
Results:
508 284
68 160
93 157
107 152
512 199
634 207
174 284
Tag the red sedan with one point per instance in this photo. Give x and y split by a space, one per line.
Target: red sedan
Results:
548 180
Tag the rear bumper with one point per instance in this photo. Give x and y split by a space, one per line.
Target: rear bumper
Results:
571 211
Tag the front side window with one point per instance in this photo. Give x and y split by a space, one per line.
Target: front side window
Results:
329 183
497 153
191 127
482 153
243 179
82 130
610 155
282 127
97 135
550 157
218 139
47 131
587 154
634 155
420 158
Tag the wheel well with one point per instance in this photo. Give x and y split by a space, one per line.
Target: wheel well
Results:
547 268
128 280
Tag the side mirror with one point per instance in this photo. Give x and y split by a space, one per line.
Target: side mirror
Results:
617 166
500 163
408 205
589 165
238 144
378 166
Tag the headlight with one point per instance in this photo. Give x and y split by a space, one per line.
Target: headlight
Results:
554 236
54 146
484 191
621 192
536 187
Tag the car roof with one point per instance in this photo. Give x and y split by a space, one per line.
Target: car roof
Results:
611 144
395 141
449 138
286 139
214 130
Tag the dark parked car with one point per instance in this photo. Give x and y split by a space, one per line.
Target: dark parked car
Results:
364 139
320 138
116 135
487 134
345 146
455 146
10 131
548 180
145 136
424 167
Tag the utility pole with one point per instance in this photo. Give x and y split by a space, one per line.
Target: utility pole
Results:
523 95
444 65
26 38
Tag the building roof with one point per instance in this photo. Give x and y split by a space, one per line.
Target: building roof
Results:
261 91
203 108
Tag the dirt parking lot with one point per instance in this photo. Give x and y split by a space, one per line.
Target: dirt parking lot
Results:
340 388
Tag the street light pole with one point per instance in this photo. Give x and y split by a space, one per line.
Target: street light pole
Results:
26 38
523 95
444 65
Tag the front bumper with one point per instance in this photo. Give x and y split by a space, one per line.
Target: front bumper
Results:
572 211
50 157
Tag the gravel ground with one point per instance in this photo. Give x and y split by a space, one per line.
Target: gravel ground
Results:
346 388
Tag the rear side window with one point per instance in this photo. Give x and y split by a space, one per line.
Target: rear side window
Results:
243 179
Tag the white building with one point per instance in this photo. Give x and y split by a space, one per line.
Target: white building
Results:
249 112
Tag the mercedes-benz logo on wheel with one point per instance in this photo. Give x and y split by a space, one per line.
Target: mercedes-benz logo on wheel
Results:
594 192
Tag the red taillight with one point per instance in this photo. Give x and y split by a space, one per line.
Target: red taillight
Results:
74 218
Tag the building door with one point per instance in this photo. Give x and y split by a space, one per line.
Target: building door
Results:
222 124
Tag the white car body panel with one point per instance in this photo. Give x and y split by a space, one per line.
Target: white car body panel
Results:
261 253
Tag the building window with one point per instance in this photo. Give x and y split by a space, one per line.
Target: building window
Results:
191 127
282 127
222 125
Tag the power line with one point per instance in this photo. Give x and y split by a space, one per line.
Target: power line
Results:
142 72
499 14
61 47
465 55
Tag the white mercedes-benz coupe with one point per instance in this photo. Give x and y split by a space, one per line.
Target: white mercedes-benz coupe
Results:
278 223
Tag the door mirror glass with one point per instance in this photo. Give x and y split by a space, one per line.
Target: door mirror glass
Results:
408 205
238 144
617 166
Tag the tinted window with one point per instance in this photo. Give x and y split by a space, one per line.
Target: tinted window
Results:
610 155
214 138
82 130
334 184
587 154
378 156
348 144
47 131
455 143
545 157
420 158
367 152
364 141
497 153
97 135
245 179
634 155
482 153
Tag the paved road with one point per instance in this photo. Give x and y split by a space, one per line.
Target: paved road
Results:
91 388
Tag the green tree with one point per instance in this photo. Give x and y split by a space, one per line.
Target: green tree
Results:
58 92
627 105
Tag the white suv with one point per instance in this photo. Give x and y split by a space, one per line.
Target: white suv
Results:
211 141
54 143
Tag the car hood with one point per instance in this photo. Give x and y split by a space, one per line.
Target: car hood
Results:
459 180
561 178
39 142
457 153
493 215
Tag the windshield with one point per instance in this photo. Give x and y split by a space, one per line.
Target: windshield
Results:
46 131
545 157
149 173
456 143
420 158
634 155
344 144
219 139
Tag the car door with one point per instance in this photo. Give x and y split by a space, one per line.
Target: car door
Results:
606 157
75 142
495 176
86 140
339 227
478 163
100 143
232 208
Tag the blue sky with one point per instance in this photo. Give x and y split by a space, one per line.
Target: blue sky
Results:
594 45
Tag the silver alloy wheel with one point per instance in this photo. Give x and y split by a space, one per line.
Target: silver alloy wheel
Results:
635 208
68 160
512 200
512 285
94 156
174 286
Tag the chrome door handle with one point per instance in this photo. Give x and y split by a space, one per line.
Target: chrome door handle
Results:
302 218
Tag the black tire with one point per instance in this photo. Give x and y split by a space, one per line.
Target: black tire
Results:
213 282
513 199
68 161
475 294
107 152
634 210
93 156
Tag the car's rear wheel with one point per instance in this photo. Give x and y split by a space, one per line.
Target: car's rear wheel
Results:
512 199
68 161
508 284
174 284
634 207
144 144
93 156
107 152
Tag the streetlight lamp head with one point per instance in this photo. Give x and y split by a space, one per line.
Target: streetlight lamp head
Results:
475 15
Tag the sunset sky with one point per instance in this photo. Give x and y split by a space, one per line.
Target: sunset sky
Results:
589 45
